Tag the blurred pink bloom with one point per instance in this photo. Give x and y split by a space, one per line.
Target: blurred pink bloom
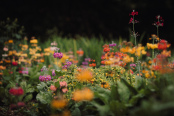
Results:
5 49
63 84
64 90
53 48
53 88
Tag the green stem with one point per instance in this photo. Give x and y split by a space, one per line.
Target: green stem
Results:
153 51
134 30
157 32
133 24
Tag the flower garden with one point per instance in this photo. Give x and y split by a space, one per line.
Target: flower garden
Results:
87 77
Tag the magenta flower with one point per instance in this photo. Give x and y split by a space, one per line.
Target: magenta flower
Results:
58 55
45 78
53 73
134 13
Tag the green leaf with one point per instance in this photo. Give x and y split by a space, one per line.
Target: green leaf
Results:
123 92
30 90
41 86
117 108
114 93
7 78
102 109
76 112
44 97
6 73
28 98
40 97
132 89
102 96
57 84
59 73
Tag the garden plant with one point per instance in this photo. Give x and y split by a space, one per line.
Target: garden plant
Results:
85 77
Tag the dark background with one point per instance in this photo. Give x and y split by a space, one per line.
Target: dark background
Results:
108 18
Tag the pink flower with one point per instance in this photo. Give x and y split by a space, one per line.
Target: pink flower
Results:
64 90
63 84
53 88
5 49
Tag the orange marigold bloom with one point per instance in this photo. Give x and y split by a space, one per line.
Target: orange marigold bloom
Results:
83 95
84 75
10 41
59 104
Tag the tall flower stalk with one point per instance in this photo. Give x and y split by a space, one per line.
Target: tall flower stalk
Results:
159 23
133 21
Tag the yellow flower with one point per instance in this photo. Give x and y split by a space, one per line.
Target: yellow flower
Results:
47 50
105 85
108 62
127 59
84 75
132 51
147 75
10 41
143 52
47 54
24 47
63 59
59 104
24 55
34 41
166 53
84 94
150 62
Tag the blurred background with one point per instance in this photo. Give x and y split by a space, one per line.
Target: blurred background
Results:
106 18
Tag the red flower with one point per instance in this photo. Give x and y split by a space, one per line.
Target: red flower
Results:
21 104
16 91
162 45
20 72
14 63
102 62
106 49
134 13
10 72
131 19
13 106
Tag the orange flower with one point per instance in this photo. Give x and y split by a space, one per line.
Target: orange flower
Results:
59 104
92 65
83 95
80 52
84 75
2 67
105 85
